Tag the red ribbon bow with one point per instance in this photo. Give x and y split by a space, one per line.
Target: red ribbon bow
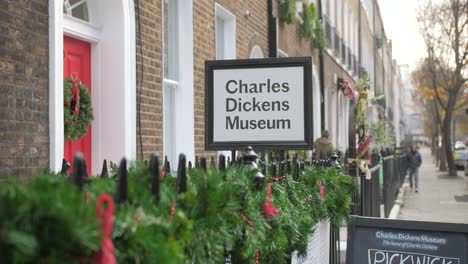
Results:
172 212
75 95
279 178
322 188
106 217
246 220
268 208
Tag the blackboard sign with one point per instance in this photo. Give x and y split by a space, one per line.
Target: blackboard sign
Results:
376 240
258 103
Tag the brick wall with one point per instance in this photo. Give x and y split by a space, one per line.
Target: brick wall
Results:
24 81
251 31
149 77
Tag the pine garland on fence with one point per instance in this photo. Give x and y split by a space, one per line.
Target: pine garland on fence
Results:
49 219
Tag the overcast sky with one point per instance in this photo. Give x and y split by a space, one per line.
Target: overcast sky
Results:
401 27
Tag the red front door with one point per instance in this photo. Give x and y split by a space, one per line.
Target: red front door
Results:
77 62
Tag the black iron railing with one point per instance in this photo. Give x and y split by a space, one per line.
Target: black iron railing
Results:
343 52
355 65
328 30
375 193
337 43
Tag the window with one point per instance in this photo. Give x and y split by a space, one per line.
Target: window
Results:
220 54
225 33
225 41
77 9
171 77
334 119
332 13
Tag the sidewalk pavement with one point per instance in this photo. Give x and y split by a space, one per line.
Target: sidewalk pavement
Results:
436 200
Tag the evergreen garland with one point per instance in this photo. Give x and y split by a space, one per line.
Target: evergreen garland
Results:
76 123
221 210
46 220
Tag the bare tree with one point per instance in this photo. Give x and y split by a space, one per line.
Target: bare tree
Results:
425 83
445 32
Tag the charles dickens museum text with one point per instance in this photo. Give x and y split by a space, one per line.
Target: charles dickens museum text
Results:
235 104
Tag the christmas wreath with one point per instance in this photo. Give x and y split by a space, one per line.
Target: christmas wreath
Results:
77 112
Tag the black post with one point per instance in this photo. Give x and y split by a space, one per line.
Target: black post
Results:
77 174
202 162
250 159
233 156
222 162
212 162
65 167
155 181
281 169
104 171
85 171
273 169
288 166
122 183
182 174
167 166
297 168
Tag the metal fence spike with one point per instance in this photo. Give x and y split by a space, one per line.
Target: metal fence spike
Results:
122 183
155 178
77 173
182 175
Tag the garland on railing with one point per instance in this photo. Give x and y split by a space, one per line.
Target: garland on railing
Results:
49 220
362 87
347 89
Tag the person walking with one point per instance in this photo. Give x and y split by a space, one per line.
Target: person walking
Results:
414 161
323 147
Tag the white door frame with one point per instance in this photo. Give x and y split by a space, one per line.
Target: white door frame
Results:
60 25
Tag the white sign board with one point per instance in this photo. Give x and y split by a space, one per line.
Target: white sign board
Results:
260 102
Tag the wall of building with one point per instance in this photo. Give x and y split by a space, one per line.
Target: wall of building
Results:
149 77
24 81
250 31
24 122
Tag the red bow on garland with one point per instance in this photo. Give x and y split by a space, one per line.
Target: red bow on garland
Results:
348 90
75 94
268 208
363 149
106 216
322 188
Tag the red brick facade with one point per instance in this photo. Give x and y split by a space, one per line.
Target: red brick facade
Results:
149 77
250 30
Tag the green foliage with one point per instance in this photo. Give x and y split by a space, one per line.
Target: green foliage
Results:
307 17
49 218
382 135
287 11
311 27
76 125
362 86
46 218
